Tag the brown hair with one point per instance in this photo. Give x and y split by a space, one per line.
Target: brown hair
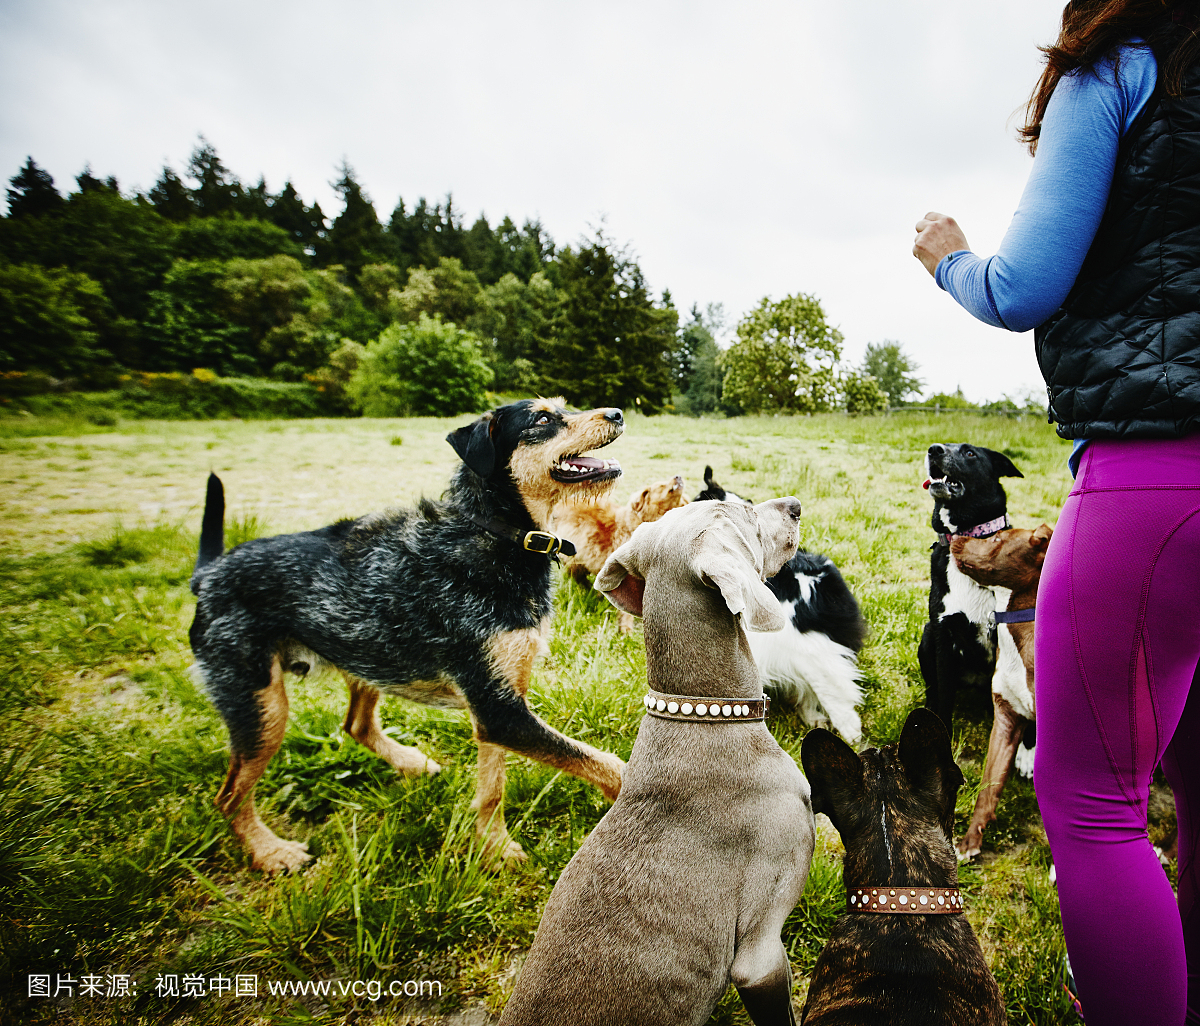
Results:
1094 29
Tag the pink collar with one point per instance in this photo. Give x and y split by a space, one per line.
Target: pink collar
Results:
978 531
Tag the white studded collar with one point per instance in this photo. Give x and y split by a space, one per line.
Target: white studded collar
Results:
694 709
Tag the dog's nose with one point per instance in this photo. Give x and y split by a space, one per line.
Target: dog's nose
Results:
615 416
936 449
789 505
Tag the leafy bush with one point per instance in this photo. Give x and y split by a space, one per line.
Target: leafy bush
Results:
429 368
862 394
47 319
223 238
950 401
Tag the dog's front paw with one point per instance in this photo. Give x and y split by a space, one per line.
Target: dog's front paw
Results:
512 852
410 761
609 779
281 857
501 846
970 844
430 768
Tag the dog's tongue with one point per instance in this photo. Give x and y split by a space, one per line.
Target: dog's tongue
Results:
925 484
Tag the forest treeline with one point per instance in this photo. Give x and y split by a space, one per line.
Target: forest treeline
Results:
418 313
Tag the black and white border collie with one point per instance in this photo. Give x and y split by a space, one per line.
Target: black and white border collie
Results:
812 664
958 644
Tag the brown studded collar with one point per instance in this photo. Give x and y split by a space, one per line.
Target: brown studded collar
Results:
921 901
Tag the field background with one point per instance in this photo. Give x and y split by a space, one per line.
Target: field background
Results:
114 861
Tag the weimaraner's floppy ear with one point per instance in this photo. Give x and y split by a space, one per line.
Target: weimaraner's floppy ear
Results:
730 562
620 579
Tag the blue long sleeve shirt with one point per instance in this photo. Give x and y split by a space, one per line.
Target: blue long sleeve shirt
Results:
1040 256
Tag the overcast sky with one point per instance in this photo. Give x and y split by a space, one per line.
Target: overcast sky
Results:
742 150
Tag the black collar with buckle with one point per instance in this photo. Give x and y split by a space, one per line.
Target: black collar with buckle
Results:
542 542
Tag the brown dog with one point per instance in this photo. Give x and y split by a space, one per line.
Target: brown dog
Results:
598 529
1010 560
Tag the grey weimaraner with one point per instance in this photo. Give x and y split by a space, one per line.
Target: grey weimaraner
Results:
685 883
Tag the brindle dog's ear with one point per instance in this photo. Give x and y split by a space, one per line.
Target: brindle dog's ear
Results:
1001 464
474 445
834 772
925 749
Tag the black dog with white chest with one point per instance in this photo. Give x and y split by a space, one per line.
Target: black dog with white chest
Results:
958 644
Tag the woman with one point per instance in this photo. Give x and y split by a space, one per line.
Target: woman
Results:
1103 260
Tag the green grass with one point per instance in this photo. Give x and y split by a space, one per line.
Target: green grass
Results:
113 859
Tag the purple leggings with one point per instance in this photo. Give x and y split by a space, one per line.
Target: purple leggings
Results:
1118 642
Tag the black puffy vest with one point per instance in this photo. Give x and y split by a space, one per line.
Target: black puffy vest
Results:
1121 356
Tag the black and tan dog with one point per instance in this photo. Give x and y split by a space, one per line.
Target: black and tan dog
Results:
447 605
903 954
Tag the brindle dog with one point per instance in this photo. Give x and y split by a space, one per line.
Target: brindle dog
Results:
894 807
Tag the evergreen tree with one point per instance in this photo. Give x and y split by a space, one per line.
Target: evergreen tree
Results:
85 181
356 237
33 192
306 225
255 202
171 198
121 243
218 192
609 343
694 368
683 358
483 252
704 389
422 238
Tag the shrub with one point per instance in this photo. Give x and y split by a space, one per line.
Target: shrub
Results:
426 369
47 319
862 394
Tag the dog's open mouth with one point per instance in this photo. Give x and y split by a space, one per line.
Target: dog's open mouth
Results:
945 488
572 469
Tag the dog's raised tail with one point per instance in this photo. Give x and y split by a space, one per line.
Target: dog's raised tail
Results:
212 530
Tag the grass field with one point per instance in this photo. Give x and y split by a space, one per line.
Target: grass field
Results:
114 865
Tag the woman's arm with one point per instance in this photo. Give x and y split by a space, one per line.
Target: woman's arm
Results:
1041 254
